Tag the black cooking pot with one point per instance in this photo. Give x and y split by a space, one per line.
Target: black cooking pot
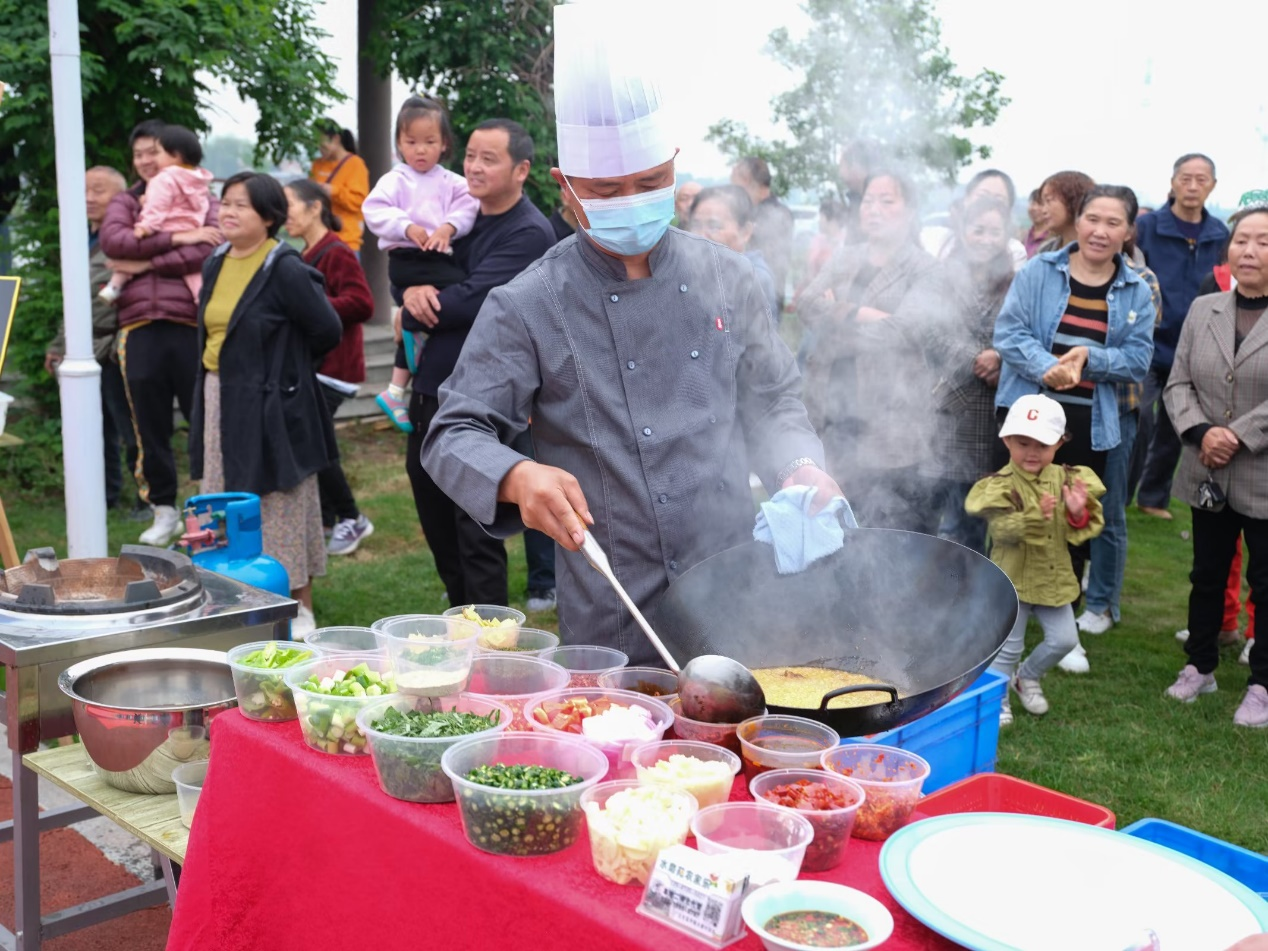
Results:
922 615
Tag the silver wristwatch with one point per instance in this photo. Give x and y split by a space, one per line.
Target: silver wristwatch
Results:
792 467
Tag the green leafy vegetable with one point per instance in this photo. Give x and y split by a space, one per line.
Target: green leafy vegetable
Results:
421 725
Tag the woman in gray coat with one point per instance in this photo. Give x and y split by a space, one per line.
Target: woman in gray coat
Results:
867 387
1217 398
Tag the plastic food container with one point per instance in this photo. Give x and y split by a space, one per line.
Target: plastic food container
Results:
708 790
430 654
617 752
189 779
343 640
995 792
408 767
651 681
528 821
891 779
864 910
766 843
262 691
493 614
776 741
624 846
329 722
585 662
832 826
514 680
720 734
521 641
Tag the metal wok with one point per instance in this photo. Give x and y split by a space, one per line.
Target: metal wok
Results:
922 615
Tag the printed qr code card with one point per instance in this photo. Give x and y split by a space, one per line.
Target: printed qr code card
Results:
689 892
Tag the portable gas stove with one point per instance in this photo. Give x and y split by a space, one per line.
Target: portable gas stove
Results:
55 613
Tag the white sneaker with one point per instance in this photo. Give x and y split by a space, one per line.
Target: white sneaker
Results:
303 625
1182 635
167 525
1075 662
1005 712
1244 657
1030 694
1094 622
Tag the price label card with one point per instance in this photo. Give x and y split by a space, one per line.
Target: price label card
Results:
686 891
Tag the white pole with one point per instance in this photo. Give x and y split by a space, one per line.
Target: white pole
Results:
79 375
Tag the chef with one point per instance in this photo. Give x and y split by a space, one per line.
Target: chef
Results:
644 356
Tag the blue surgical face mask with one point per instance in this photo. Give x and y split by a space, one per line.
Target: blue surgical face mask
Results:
629 224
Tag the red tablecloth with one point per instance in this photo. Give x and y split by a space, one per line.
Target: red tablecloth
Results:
292 848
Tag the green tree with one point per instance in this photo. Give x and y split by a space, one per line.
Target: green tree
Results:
484 59
140 59
874 70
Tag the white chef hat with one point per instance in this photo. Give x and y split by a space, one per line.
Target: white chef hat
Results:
610 117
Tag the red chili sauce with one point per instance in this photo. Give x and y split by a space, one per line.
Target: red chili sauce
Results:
817 929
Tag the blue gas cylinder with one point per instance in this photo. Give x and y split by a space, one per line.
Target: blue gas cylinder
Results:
223 534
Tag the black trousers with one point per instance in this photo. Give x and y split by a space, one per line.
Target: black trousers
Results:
116 430
470 562
1214 541
539 548
337 501
159 361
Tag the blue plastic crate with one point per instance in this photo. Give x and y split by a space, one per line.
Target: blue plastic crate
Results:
1249 868
959 739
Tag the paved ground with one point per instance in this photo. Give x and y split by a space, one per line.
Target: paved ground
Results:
78 863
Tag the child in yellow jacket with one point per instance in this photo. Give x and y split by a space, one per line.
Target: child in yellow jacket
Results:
1035 510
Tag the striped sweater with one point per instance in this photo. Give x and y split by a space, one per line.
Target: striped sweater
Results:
1085 323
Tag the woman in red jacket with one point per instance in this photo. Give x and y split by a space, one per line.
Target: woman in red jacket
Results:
312 221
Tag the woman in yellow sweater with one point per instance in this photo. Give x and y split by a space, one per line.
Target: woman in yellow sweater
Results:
259 423
345 178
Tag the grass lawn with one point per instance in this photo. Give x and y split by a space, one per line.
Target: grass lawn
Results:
1111 737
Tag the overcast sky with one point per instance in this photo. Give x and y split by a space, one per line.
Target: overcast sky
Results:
1116 89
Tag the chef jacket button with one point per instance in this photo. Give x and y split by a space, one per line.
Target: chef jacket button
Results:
615 298
682 288
1228 414
673 566
647 430
713 419
722 486
662 498
695 354
1229 378
630 365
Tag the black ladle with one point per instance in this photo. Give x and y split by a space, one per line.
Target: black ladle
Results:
711 688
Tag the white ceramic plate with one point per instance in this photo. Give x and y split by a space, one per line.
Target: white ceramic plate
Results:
1002 882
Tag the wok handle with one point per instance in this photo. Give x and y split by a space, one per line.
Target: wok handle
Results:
859 688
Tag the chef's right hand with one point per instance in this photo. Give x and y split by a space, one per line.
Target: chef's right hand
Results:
550 501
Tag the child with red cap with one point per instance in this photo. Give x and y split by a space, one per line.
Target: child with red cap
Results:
1035 511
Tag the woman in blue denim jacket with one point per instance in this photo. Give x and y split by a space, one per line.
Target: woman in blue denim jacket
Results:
1026 328
1075 346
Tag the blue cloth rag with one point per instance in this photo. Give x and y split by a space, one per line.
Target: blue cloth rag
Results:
799 538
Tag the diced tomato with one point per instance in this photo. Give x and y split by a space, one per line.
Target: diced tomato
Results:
803 794
567 716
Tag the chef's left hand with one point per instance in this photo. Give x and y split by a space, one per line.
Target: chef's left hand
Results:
825 488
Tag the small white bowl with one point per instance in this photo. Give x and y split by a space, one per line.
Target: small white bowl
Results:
771 900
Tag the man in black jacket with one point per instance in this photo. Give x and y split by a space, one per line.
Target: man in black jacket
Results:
509 234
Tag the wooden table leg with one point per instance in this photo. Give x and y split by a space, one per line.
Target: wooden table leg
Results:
8 551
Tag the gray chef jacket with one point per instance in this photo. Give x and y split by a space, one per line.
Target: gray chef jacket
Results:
659 395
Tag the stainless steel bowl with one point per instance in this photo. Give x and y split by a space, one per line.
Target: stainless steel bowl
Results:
142 713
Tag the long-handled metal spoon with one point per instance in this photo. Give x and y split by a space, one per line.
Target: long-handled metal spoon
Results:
711 688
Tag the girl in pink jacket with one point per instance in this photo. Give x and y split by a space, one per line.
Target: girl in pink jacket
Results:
176 199
416 210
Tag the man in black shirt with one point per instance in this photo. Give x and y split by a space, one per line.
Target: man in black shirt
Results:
509 234
773 224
